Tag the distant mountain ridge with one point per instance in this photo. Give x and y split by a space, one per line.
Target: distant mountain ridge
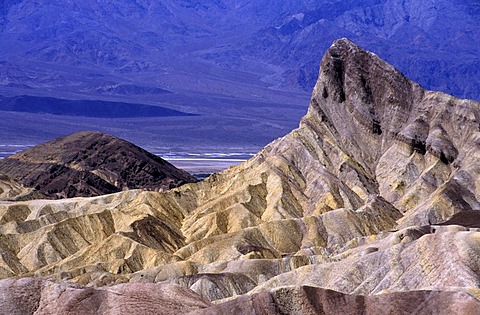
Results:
434 43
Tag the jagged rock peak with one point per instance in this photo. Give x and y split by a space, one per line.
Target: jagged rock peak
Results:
366 103
350 72
90 163
392 131
361 96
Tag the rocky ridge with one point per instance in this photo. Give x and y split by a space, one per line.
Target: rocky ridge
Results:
371 201
90 163
10 190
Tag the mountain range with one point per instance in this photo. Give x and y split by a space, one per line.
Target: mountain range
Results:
369 206
246 68
269 40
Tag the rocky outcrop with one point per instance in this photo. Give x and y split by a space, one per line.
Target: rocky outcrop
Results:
316 301
89 164
12 191
412 259
83 238
413 147
371 201
37 296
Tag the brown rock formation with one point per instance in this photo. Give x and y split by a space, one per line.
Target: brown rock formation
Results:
316 301
374 196
37 296
90 163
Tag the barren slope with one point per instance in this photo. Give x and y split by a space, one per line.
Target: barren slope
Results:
11 190
90 163
373 197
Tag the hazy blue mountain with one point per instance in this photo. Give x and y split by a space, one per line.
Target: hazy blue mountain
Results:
222 58
435 42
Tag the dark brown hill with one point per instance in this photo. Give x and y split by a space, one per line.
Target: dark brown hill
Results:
91 163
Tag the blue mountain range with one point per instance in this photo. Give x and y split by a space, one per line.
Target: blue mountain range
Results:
213 57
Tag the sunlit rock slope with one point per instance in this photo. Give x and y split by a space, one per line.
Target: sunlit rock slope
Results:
371 201
11 190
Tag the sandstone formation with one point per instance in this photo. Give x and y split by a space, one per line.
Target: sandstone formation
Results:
90 163
317 301
368 207
11 190
37 296
43 297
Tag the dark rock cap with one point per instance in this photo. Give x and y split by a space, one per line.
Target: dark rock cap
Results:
90 163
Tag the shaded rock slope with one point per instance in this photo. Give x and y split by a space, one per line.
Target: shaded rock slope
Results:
370 206
90 163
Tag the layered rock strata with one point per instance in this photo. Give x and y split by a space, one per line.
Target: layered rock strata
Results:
11 190
371 201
